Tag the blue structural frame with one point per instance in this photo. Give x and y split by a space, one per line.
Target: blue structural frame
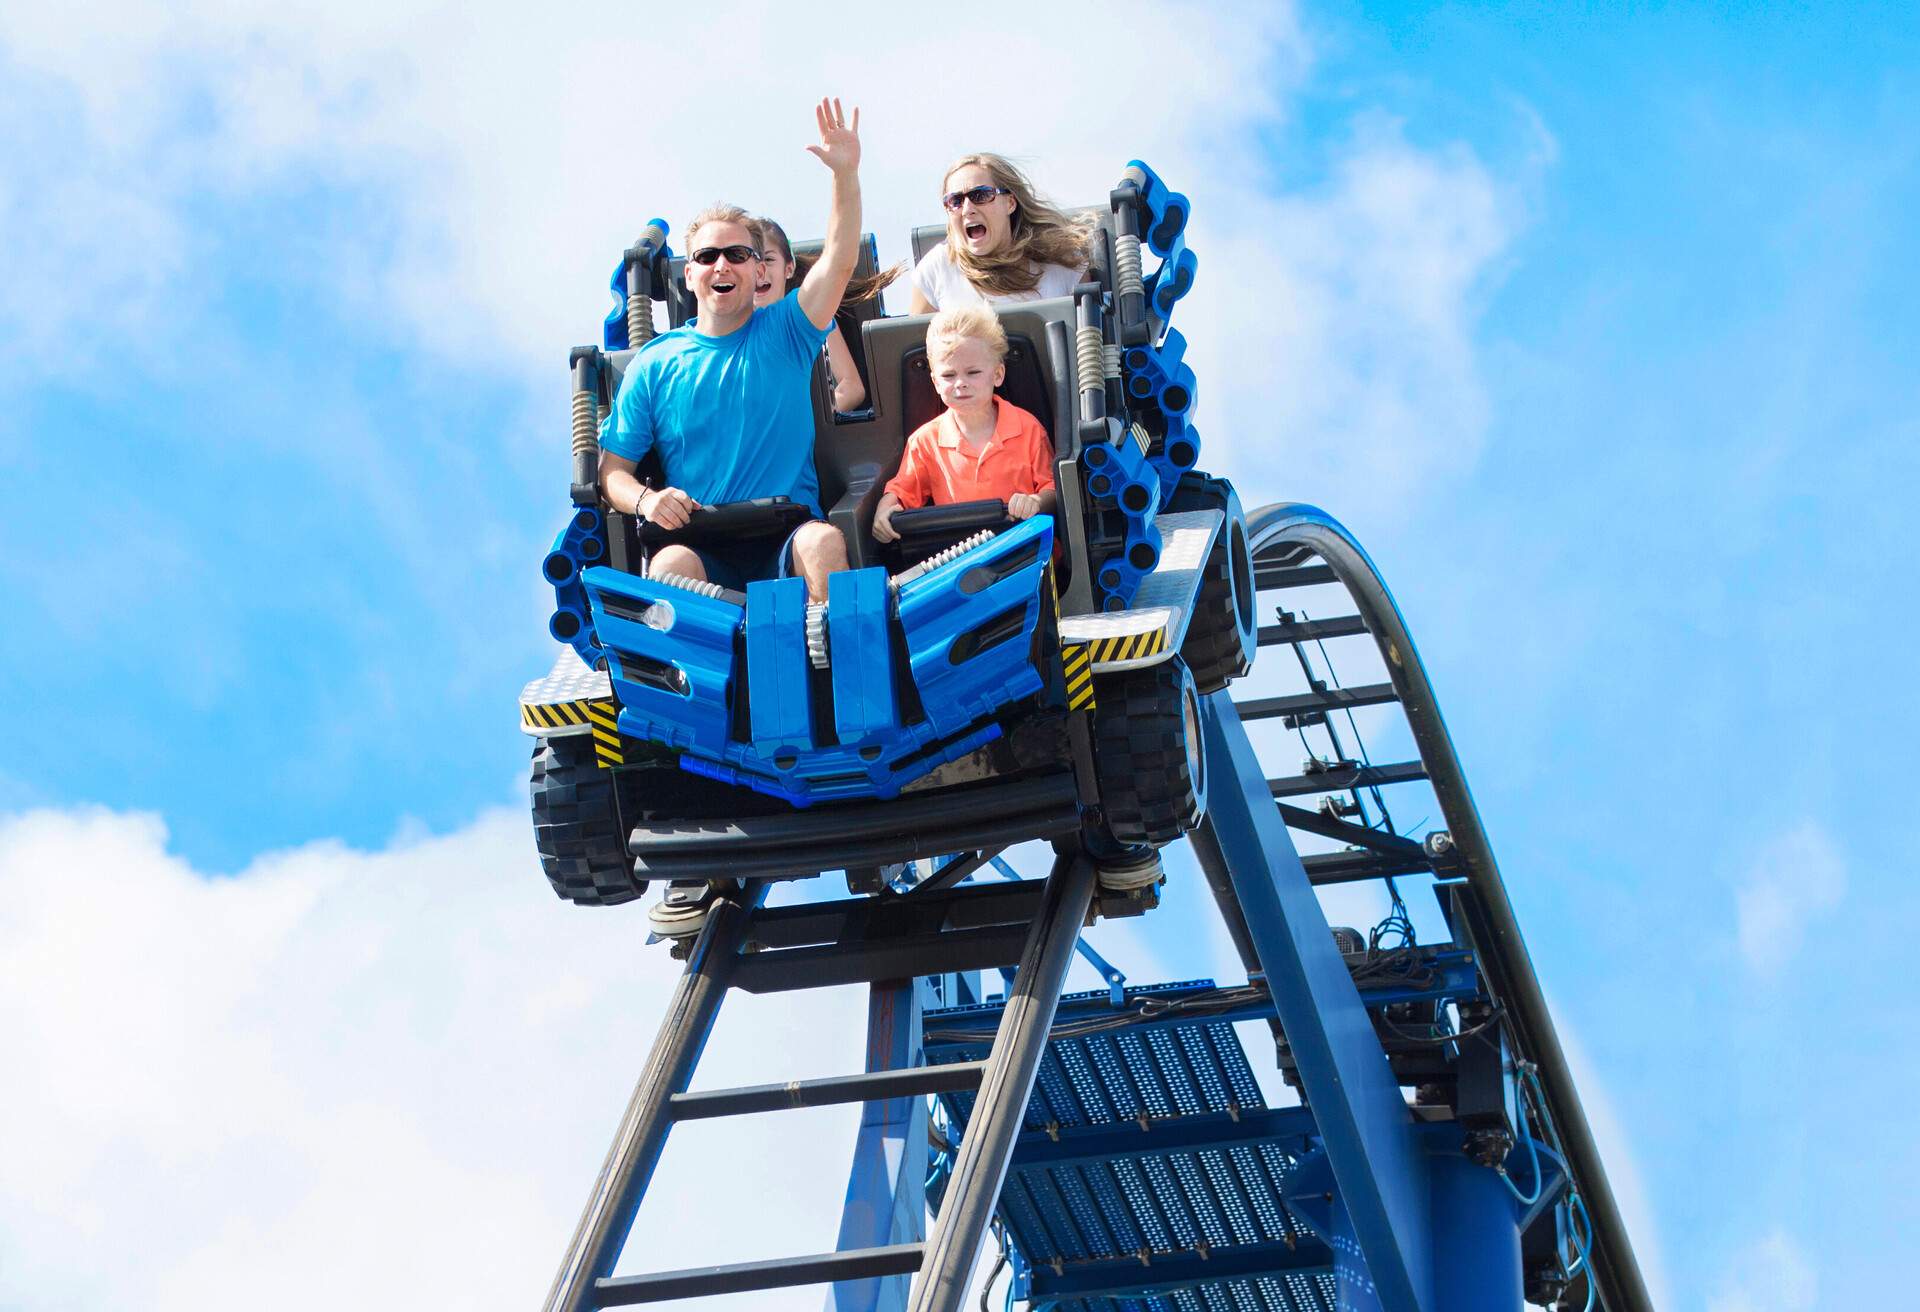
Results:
1362 1117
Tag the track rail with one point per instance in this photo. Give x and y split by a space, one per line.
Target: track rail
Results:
1295 545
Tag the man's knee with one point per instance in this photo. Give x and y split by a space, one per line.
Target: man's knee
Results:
819 543
676 559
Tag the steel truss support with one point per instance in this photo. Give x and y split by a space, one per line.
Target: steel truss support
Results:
615 1200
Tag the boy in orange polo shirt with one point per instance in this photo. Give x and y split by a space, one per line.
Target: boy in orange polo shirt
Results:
983 446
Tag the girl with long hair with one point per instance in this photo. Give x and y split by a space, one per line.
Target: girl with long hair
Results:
781 271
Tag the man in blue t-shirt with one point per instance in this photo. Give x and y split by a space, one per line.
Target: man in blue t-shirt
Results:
724 400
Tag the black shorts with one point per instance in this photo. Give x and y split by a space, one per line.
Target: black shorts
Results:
736 564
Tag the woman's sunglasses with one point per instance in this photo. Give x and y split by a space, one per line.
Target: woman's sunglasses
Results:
953 200
735 254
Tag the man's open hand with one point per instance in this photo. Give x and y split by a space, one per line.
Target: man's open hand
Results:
839 147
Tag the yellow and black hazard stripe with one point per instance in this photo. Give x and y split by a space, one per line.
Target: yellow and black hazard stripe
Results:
1128 647
1076 663
599 715
604 716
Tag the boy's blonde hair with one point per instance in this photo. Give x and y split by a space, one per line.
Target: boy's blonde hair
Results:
953 326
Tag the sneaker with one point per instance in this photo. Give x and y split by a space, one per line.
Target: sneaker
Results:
681 911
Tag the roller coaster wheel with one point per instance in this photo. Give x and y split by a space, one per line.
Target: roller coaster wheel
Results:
1223 635
578 826
1147 753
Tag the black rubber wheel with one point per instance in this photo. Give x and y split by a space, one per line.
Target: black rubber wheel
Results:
1223 635
1147 753
577 824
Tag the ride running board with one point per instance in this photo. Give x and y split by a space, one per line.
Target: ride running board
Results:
802 843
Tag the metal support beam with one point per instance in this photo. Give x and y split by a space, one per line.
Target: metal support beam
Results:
1304 703
1356 1101
910 1083
1342 778
744 1277
1296 576
994 1126
1347 867
1131 1278
610 1209
1090 1146
1340 626
1376 840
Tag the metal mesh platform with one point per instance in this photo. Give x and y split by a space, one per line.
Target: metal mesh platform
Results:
1148 1174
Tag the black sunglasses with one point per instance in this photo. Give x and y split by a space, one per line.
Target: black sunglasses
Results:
953 200
735 254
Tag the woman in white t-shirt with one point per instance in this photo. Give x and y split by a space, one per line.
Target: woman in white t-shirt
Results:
1004 241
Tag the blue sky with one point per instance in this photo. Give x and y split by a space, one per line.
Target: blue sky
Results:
1597 328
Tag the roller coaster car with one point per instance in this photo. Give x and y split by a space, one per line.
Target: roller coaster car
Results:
979 683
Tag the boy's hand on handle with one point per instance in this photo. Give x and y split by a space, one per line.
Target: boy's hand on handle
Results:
1023 505
668 507
839 147
883 529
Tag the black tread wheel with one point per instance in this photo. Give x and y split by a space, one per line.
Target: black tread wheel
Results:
577 825
1223 635
1147 753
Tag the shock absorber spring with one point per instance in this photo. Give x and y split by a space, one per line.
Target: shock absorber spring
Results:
586 426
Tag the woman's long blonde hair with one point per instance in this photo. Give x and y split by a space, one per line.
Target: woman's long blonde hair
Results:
1042 234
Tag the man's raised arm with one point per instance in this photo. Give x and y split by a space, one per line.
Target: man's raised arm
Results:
839 150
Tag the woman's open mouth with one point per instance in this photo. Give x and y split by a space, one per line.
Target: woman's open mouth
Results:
975 231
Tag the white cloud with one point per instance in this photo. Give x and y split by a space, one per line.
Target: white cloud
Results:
502 161
1772 1274
359 1079
1798 876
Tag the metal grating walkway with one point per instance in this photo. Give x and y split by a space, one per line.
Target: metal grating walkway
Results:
1149 1170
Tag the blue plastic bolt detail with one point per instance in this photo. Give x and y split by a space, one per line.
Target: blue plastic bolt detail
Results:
780 712
578 545
1167 210
1172 280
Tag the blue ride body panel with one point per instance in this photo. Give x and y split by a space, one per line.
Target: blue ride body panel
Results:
861 641
968 628
940 608
780 716
658 636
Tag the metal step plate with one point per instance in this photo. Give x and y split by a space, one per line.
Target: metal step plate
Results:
562 702
1155 625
